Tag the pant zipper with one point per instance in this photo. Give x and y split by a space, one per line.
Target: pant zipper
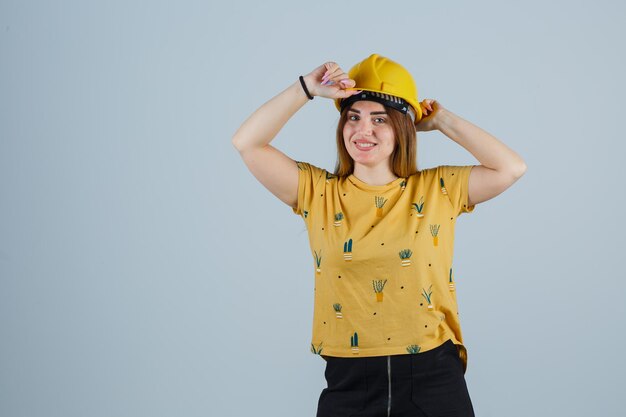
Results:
389 378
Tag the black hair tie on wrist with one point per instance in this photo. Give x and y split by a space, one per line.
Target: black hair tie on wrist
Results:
305 89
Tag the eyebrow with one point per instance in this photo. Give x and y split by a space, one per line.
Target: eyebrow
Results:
374 112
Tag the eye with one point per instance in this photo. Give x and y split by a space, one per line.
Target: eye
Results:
353 117
380 120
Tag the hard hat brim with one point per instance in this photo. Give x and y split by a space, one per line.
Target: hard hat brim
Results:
415 105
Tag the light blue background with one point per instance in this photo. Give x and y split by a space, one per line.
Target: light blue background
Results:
145 272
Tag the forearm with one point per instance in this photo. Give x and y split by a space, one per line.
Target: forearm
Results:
265 123
486 148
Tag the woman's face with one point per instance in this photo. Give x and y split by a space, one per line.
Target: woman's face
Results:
367 134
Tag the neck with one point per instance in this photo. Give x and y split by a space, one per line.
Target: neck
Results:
377 175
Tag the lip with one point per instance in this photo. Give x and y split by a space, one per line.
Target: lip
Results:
358 144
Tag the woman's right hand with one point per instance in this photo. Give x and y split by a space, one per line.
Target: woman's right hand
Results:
329 80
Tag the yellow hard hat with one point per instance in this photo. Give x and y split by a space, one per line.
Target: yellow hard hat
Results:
382 77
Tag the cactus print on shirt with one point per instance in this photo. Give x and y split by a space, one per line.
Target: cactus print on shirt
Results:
382 260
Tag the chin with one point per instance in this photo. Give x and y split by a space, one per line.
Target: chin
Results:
367 162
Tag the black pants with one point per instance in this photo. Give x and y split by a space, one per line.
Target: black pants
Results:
427 384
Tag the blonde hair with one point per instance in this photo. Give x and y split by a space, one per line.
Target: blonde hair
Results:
404 156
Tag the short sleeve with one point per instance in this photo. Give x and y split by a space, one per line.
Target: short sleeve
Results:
310 180
455 181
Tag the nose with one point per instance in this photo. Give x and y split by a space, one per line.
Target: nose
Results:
365 126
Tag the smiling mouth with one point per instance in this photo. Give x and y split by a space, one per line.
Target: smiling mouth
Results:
364 145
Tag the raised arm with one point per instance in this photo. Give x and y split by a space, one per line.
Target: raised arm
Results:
275 170
500 166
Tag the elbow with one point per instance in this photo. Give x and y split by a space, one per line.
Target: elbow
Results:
515 166
237 143
246 143
518 169
513 172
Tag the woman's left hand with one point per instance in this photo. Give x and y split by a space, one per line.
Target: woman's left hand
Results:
431 115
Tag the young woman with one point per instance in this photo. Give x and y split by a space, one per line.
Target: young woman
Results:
381 235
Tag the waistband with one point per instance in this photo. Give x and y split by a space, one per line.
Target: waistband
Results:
400 364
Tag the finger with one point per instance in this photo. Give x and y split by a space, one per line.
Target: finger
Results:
333 67
346 93
347 83
334 73
341 79
330 67
326 76
335 77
